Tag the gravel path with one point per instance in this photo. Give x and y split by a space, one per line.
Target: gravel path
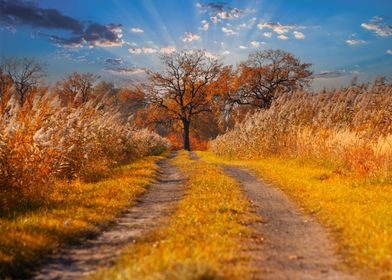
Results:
295 246
159 200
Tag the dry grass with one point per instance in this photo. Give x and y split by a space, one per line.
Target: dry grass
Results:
349 127
358 211
41 142
72 212
203 238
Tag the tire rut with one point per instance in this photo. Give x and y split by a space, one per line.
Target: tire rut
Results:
295 246
156 203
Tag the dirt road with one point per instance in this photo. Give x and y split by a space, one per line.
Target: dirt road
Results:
295 246
157 203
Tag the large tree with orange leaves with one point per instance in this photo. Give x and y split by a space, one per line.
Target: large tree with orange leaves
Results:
184 88
265 74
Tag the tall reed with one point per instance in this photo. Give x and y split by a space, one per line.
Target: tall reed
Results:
349 126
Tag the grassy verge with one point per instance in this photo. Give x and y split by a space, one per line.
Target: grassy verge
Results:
73 212
203 238
357 211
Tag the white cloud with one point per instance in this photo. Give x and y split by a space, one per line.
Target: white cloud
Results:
226 52
123 71
149 50
389 51
256 44
168 50
242 47
214 19
331 74
299 35
189 37
135 50
353 42
283 37
376 24
267 34
242 26
228 31
219 11
136 30
277 27
205 25
211 55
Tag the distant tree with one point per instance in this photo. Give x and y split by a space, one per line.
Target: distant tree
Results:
131 100
78 87
183 90
5 84
25 74
265 74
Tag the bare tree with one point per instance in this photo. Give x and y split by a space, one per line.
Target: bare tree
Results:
183 89
25 74
265 74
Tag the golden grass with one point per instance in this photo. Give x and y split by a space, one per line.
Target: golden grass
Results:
203 238
72 212
347 126
357 211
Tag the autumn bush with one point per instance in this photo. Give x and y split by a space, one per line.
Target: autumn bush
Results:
351 127
43 141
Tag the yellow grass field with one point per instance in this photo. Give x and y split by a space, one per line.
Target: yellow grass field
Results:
357 212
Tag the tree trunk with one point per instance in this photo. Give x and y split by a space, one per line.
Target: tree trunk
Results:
187 145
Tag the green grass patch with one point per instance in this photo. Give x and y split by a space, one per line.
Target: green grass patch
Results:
204 237
73 211
357 211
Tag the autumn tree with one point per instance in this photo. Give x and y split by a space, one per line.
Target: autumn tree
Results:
25 74
183 88
78 87
267 73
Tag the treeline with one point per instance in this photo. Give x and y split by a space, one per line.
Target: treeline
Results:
81 126
194 97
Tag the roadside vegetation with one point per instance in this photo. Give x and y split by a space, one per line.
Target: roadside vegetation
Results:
203 239
356 211
331 151
69 164
72 212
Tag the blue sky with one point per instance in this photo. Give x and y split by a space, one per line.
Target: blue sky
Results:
118 39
